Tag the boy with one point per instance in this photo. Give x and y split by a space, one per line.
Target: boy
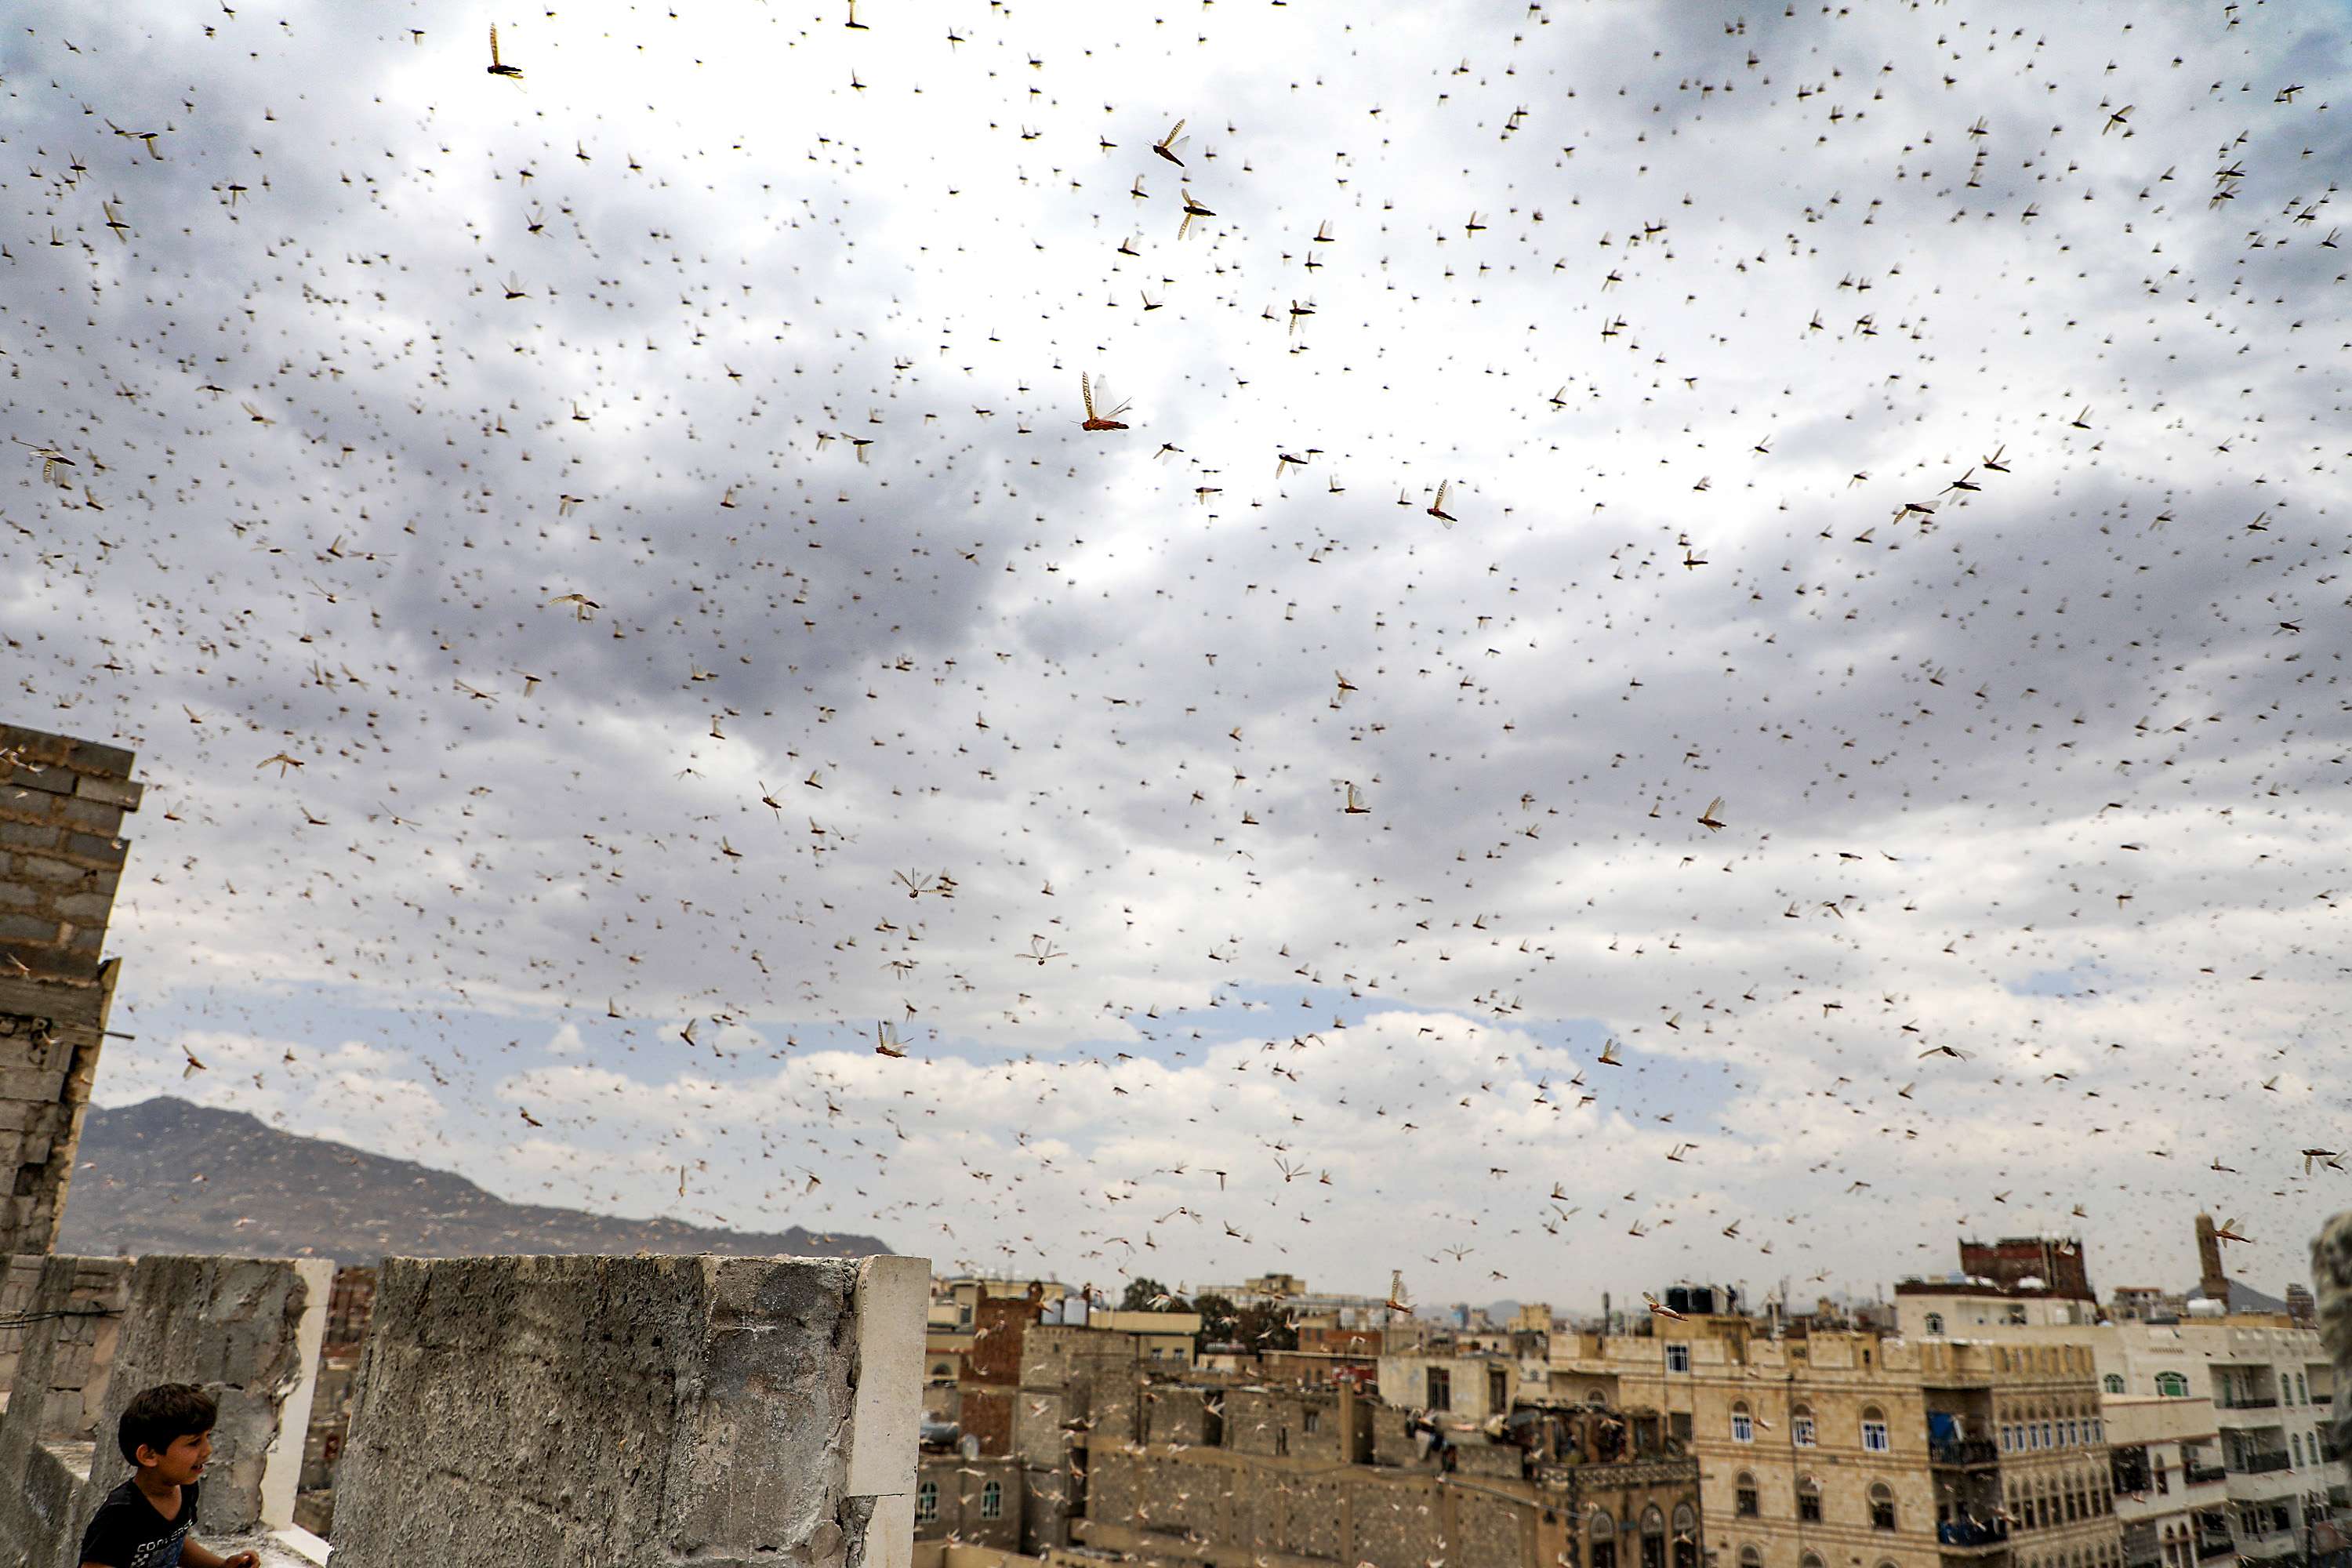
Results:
166 1433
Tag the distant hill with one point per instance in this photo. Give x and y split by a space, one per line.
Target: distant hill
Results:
134 1190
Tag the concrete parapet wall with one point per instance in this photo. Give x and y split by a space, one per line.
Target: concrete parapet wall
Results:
38 1487
246 1330
613 1410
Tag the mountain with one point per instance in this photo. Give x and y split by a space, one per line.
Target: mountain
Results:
166 1176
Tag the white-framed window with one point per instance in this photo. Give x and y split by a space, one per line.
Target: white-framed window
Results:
1800 1427
2113 1382
991 1501
1677 1357
1311 1420
1936 1322
1874 1439
2008 1437
927 1502
1743 1425
2045 1435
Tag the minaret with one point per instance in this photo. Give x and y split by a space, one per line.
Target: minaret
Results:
2212 1280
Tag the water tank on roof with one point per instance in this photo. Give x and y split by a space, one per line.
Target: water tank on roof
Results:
1678 1299
2032 1282
2206 1307
1702 1299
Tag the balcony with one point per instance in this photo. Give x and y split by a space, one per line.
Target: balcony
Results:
2211 1547
1966 1536
2261 1464
2203 1475
2231 1399
2270 1545
1964 1451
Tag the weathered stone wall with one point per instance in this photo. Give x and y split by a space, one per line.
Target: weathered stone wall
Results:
244 1330
61 854
602 1412
961 1500
2331 1275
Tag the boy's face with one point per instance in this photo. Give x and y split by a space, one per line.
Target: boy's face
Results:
183 1462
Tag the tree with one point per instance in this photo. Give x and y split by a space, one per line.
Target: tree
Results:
1218 1317
1265 1326
1144 1294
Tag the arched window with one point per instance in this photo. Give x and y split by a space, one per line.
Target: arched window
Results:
2302 1390
1808 1500
1810 1559
2296 1439
927 1502
1874 1439
1882 1505
1743 1496
1750 1557
2171 1385
1602 1528
1686 1552
1801 1426
1653 1538
991 1501
1935 1322
2113 1382
1743 1425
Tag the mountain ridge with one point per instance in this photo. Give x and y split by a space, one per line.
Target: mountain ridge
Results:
264 1192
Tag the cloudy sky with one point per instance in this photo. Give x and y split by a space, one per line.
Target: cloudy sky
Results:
1890 596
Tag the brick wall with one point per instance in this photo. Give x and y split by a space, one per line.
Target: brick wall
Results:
61 853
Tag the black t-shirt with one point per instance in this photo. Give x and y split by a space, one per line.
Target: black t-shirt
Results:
127 1532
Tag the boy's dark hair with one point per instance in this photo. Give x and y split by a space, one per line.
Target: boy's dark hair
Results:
161 1416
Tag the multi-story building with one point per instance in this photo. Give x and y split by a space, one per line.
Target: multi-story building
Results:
1459 1389
2270 1387
2166 1466
1841 1448
1303 1477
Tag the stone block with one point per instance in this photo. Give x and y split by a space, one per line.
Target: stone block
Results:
38 868
16 835
30 1083
89 910
608 1412
86 816
102 851
37 929
48 781
121 794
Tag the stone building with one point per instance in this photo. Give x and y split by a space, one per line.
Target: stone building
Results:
1847 1449
1256 1477
2169 1496
2270 1389
61 854
972 1500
